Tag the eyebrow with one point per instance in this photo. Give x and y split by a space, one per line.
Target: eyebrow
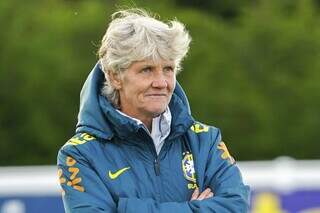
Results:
154 65
148 65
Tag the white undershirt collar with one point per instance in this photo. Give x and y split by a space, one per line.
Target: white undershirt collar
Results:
161 127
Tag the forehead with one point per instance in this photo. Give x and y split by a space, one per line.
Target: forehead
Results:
149 62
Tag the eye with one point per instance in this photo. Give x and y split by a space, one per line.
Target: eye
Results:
168 69
146 70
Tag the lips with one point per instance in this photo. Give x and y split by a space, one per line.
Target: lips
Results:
157 95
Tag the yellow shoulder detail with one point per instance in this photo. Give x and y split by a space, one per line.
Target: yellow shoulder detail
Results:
225 153
80 139
198 128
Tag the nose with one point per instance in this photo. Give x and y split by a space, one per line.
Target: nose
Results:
159 81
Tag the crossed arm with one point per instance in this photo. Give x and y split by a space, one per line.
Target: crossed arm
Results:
85 194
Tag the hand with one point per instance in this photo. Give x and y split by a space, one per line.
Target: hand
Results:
204 195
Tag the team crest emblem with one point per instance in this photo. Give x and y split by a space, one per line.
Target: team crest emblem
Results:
188 167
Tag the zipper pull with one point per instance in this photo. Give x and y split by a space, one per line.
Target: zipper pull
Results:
157 166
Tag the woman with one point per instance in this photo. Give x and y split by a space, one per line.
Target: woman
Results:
137 147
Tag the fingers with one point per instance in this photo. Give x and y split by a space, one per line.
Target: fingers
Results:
205 194
195 194
210 195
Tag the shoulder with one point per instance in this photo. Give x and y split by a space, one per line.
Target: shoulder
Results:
79 146
204 132
204 138
79 139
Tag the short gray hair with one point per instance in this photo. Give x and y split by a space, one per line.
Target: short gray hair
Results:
134 35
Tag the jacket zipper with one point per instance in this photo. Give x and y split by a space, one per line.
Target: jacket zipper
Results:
157 166
156 162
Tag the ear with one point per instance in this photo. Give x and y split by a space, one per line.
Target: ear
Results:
115 79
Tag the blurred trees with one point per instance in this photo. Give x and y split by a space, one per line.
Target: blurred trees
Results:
226 9
261 76
256 77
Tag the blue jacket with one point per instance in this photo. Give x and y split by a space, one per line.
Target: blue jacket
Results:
111 164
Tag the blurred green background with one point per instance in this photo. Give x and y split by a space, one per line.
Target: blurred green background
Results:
252 71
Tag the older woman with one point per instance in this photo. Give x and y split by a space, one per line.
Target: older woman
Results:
137 147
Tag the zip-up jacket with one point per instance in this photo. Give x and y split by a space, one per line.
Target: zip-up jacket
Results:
111 164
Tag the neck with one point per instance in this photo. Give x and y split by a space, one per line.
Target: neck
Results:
148 123
145 119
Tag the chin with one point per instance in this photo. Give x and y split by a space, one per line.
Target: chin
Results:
157 111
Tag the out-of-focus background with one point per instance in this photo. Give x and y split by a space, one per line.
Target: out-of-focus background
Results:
253 70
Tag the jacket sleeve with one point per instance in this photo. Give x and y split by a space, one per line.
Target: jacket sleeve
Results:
82 189
221 175
224 178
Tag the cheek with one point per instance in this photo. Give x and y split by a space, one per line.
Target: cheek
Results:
130 86
136 92
172 84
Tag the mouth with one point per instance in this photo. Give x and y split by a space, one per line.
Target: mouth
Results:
156 95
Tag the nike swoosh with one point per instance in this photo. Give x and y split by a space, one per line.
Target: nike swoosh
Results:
117 173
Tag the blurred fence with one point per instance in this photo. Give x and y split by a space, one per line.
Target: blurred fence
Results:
283 185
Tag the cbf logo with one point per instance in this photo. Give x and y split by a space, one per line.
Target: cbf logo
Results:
188 170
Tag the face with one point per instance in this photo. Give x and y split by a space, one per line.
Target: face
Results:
145 88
